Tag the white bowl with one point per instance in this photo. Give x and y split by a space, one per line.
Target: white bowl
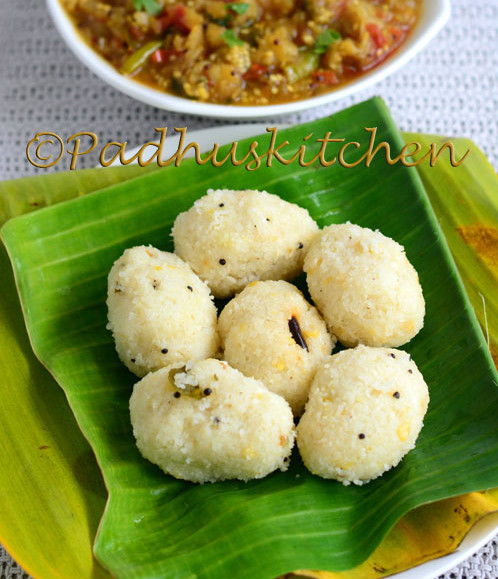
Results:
434 15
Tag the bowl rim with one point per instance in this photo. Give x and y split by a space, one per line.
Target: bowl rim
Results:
434 15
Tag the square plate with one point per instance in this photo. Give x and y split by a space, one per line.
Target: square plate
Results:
157 526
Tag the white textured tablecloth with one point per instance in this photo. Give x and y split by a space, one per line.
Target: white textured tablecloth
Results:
451 88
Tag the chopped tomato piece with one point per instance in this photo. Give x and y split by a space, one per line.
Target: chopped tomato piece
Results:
376 34
255 72
326 77
174 16
160 56
179 19
396 33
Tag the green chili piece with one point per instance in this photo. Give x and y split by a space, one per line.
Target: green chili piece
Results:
306 64
139 57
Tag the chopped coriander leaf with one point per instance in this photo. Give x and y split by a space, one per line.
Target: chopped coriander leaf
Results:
325 40
238 7
150 6
231 39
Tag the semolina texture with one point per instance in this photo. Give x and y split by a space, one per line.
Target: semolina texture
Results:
159 311
232 238
364 414
270 332
364 286
208 422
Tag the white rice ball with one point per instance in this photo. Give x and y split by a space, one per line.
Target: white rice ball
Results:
231 238
159 311
270 332
365 411
364 286
208 422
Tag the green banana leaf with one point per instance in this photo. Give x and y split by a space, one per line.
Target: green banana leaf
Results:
426 533
127 536
21 196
